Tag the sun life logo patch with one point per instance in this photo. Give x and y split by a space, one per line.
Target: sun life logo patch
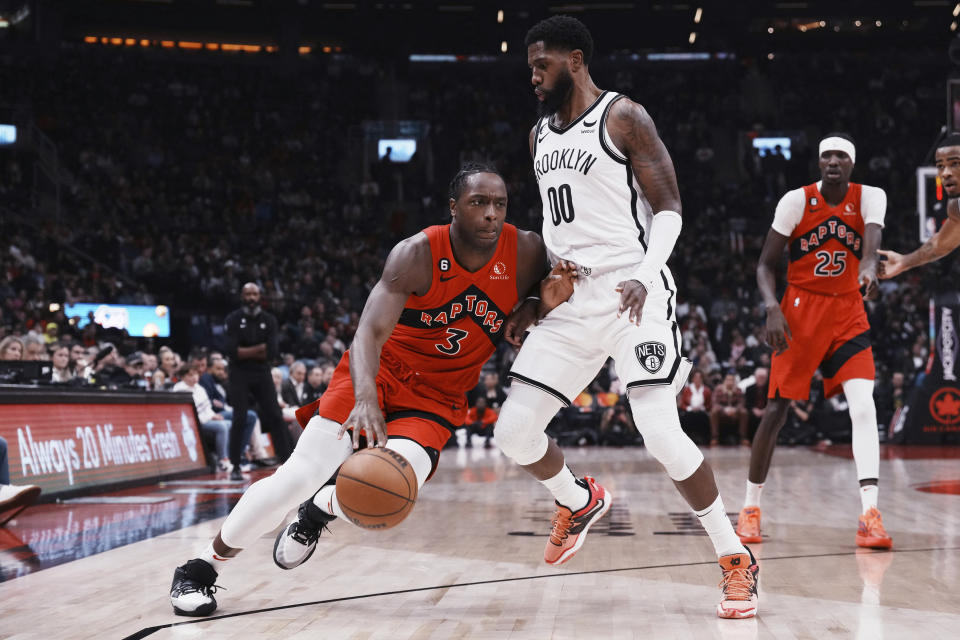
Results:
651 355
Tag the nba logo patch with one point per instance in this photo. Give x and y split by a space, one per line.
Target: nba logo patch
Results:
814 202
651 355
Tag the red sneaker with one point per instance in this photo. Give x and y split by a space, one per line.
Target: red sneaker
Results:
870 532
748 525
570 528
741 574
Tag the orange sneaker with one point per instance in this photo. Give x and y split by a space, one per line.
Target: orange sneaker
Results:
748 525
870 533
741 575
570 527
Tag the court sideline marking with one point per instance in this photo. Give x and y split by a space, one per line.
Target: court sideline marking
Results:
143 633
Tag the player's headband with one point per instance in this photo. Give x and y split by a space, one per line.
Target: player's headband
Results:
836 143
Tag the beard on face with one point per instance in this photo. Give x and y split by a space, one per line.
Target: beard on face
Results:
554 98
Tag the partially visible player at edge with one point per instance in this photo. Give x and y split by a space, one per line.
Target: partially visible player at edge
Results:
833 230
612 207
947 237
427 328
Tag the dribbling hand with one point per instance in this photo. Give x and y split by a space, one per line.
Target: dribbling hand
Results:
368 418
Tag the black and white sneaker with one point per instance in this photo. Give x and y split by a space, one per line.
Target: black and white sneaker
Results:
193 587
298 540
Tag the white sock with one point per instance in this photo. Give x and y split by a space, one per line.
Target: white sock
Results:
213 558
868 496
714 519
753 495
326 499
567 490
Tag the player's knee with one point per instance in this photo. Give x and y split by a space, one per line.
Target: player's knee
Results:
519 434
657 420
309 460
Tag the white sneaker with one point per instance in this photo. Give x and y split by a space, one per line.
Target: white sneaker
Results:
298 540
191 593
15 498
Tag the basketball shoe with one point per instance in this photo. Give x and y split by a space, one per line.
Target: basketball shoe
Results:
193 587
741 574
748 525
870 532
298 540
570 527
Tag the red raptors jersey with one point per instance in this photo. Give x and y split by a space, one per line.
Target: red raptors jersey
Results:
448 334
825 248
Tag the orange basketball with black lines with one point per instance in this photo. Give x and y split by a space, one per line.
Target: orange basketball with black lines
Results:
376 488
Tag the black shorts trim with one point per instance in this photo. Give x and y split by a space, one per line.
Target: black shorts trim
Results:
539 385
426 415
832 365
673 369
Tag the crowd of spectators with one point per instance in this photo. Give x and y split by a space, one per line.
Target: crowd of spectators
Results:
185 175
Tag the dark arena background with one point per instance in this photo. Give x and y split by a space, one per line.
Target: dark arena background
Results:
157 155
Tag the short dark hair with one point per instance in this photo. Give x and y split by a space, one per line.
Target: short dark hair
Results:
467 170
840 134
562 32
952 140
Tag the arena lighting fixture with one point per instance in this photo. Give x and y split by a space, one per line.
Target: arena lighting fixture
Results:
503 46
54 307
956 10
953 26
769 29
857 22
303 50
500 16
4 23
698 15
879 24
769 56
693 37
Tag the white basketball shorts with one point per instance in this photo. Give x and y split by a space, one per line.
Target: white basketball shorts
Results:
565 351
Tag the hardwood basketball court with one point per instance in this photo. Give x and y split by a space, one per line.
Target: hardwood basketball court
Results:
468 561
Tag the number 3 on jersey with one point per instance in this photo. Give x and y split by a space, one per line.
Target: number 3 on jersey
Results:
452 344
830 263
561 204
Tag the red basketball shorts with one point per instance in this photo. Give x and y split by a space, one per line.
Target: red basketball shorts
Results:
829 332
413 408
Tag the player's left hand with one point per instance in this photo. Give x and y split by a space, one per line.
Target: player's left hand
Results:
557 287
632 296
869 284
520 320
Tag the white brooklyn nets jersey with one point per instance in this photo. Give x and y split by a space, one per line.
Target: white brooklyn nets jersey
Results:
594 212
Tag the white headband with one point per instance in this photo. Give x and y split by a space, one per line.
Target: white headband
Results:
838 144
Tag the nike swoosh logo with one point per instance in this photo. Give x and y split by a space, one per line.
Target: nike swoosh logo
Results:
589 124
543 138
442 279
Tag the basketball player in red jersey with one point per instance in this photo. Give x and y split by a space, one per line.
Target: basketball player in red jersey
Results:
833 229
427 328
947 237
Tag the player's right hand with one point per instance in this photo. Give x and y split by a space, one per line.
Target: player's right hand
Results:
890 264
557 287
366 417
778 331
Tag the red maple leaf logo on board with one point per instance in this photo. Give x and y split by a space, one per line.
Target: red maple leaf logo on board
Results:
945 405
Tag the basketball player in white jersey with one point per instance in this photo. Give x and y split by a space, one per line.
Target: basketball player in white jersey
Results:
610 205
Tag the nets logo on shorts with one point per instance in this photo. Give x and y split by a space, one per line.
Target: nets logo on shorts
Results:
651 355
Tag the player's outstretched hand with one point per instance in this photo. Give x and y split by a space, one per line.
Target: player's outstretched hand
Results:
778 331
632 297
890 264
557 287
366 417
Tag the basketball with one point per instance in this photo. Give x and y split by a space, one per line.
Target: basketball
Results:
376 488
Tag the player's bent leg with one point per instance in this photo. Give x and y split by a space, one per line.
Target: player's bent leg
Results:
655 413
260 509
519 433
